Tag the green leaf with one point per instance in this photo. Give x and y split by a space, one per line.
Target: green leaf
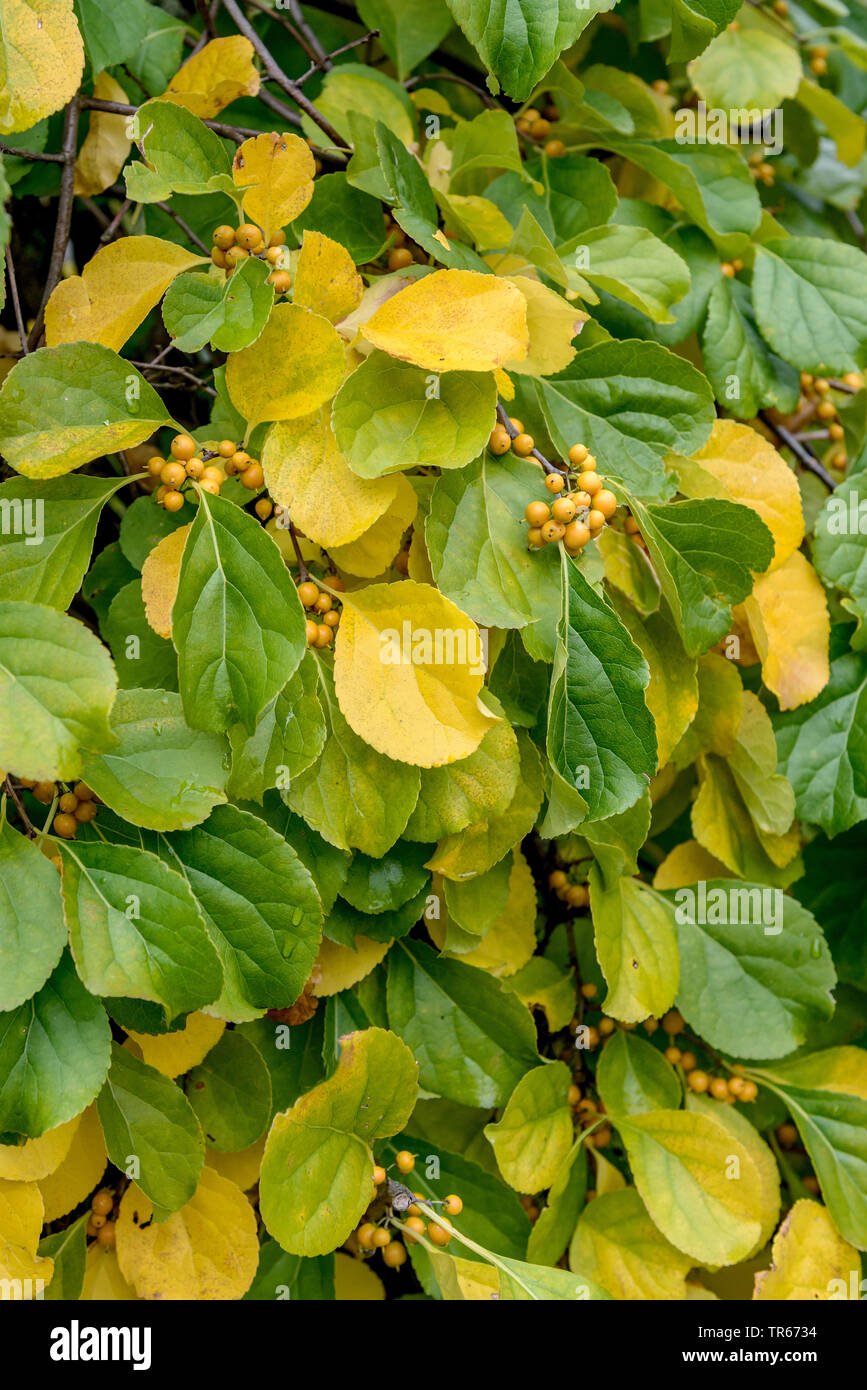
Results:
230 1093
344 214
518 40
135 928
345 922
483 843
316 1173
822 746
474 904
705 552
555 1224
108 574
601 735
142 659
63 406
68 1250
389 416
755 969
327 865
353 796
630 403
747 69
47 535
577 194
682 1165
711 182
112 33
199 308
180 148
145 1116
462 793
633 1077
237 622
144 525
260 906
826 1094
161 774
281 1275
381 885
633 265
744 373
534 1133
288 738
810 295
415 207
473 1041
519 683
408 29
834 889
840 551
57 682
32 930
636 946
54 1054
293 1056
477 541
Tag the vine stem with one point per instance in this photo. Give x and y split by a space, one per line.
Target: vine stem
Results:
276 74
64 215
801 454
16 302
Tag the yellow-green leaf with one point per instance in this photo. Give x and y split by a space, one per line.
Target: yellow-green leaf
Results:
811 1260
41 60
453 320
534 1133
21 1217
79 1172
788 618
279 170
106 145
618 1246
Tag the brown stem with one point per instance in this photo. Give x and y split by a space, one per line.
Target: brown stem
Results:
534 453
64 215
311 38
31 154
324 60
16 302
121 108
276 74
302 568
297 35
112 229
425 77
179 222
279 108
25 819
804 456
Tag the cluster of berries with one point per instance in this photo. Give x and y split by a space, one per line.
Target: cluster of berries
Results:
373 1236
573 894
187 461
99 1227
233 245
819 59
400 255
761 170
320 605
729 1089
586 1112
731 268
538 127
74 807
815 395
575 517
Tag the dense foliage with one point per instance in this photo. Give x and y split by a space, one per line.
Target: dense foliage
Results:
432 654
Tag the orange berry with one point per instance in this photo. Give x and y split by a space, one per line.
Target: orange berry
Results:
500 441
399 258
173 475
183 446
312 630
281 280
517 425
263 508
405 1161
523 445
438 1234
595 521
85 811
589 481
787 1135
555 149
719 1088
578 454
534 537
553 531
173 501
332 618
394 1254
381 1237
83 791
274 255
750 1091
247 236
728 270
415 1225
324 636
605 502
156 465
102 1202
226 448
253 477
68 803
65 826
208 485
698 1081
564 509
365 1234
107 1235
573 1095
689 1061
672 1023
577 535
537 513
673 1055
277 238
379 1175
223 237
219 258
308 592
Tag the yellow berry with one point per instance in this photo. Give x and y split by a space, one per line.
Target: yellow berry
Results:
394 1254
537 513
523 445
183 446
405 1161
224 237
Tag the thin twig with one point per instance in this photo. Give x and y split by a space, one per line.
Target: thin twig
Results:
426 77
287 25
320 62
113 227
804 456
279 108
534 453
138 82
311 37
32 154
276 74
186 372
29 827
302 568
120 108
179 222
208 14
16 302
64 215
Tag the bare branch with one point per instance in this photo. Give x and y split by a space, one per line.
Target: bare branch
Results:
32 154
804 456
64 215
16 303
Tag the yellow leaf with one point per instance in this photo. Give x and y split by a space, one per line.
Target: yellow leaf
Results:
340 967
20 1227
159 586
511 941
41 60
739 464
608 1178
355 1281
788 618
306 473
374 551
478 217
80 1171
418 560
688 863
325 278
552 324
106 145
768 1206
295 365
241 1168
36 1158
408 670
811 1260
175 1053
839 1069
208 1251
214 77
103 1281
115 291
505 384
617 1245
279 170
453 320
